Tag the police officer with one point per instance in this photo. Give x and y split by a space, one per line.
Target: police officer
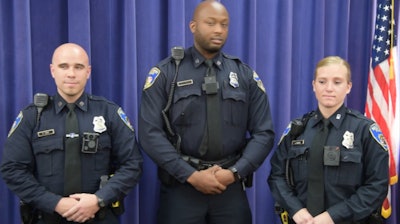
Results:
353 170
33 159
205 183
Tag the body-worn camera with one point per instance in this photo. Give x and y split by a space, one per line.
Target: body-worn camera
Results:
90 142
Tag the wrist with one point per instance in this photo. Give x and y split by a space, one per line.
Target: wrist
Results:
235 172
100 202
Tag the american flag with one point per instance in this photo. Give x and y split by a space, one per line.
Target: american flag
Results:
381 104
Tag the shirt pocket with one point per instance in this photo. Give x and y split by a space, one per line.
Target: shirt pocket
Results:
298 163
103 154
234 106
187 103
350 169
49 154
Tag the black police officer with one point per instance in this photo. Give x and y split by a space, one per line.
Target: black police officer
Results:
33 159
206 184
353 161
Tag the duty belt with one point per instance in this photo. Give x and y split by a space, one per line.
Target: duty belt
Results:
202 164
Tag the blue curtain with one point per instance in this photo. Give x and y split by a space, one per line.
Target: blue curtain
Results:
281 39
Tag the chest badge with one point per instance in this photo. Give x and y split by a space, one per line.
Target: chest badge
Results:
348 140
233 80
99 124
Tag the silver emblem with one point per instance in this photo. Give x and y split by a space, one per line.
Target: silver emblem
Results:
233 80
99 124
348 140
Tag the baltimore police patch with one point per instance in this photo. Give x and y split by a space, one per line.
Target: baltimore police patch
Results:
15 124
378 136
124 118
151 78
259 82
285 132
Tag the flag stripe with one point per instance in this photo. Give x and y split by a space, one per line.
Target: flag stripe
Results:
381 97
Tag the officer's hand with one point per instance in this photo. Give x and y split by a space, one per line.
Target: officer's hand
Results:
206 182
84 210
65 204
225 176
303 217
323 218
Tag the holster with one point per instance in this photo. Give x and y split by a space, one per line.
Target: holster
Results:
26 212
375 218
166 178
117 207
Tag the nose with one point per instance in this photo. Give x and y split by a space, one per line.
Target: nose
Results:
329 86
219 28
70 72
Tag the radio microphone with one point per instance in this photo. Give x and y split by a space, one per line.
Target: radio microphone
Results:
177 54
40 100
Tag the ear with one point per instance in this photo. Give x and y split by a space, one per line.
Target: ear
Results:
192 26
52 70
313 85
89 71
349 85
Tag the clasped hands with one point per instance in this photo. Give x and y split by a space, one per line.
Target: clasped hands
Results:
213 180
78 207
304 217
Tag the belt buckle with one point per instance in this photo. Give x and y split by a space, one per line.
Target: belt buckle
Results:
204 166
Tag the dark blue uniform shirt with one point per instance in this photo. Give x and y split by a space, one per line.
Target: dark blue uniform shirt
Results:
33 166
353 189
245 112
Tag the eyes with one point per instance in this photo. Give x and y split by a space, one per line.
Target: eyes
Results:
335 82
212 23
65 66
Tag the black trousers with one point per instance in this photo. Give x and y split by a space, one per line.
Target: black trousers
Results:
109 218
182 203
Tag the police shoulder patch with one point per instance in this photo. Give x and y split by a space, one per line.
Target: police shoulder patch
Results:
151 78
378 136
259 82
16 123
124 118
285 132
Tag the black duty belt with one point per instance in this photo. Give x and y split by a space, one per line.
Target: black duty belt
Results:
199 164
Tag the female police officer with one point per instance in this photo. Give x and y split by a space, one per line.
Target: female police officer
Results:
343 179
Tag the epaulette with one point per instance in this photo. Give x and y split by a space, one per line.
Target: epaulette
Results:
231 57
99 98
165 61
296 127
356 114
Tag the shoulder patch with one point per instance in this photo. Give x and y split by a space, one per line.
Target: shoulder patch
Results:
285 132
151 78
16 123
378 136
259 82
124 118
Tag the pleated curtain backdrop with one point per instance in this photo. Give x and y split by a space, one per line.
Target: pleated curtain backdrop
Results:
281 39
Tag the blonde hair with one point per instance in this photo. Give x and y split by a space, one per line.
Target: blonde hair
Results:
333 60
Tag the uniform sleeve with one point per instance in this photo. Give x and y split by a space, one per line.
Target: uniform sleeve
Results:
280 189
126 157
370 195
18 165
260 128
152 136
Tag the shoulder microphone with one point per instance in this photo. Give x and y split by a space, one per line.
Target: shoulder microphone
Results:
40 100
177 53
